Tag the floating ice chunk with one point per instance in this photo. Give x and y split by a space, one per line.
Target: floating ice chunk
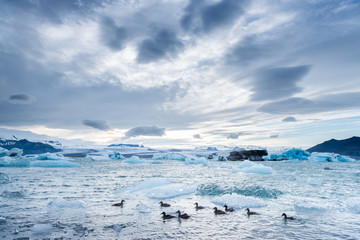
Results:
4 178
101 157
169 156
15 194
239 201
291 154
142 208
195 160
250 167
54 164
52 156
66 204
42 228
354 205
172 190
3 152
117 155
14 162
144 185
15 152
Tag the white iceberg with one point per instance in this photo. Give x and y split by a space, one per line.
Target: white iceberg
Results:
3 152
66 204
239 201
250 167
169 156
137 160
329 157
15 152
196 160
14 162
52 156
42 228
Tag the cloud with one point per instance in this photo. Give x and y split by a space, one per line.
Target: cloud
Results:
21 99
248 50
197 136
112 35
325 103
289 119
275 83
235 135
274 136
164 44
202 17
98 124
145 131
56 11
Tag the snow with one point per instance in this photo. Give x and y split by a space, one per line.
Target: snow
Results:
251 167
238 201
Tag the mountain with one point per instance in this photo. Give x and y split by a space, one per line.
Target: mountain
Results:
27 146
349 147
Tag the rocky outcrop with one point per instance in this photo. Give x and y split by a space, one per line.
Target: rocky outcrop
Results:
253 155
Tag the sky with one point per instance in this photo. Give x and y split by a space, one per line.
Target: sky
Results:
177 73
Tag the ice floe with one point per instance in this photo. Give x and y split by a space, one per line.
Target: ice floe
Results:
239 201
137 160
54 164
42 228
251 167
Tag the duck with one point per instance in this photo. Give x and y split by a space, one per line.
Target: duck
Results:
167 216
287 218
198 207
228 209
217 211
250 212
183 216
164 204
120 204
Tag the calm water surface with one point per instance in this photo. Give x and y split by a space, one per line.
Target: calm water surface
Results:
75 203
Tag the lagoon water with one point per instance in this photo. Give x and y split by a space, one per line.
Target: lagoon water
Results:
75 203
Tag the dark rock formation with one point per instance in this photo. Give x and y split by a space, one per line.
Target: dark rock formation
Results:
349 147
253 155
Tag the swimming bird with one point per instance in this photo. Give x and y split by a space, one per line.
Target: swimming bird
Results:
217 211
167 216
250 212
183 216
198 207
288 218
120 204
228 209
164 204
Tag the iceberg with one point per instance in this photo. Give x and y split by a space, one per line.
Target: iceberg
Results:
250 167
196 160
136 160
15 152
169 156
42 228
66 204
142 208
291 154
117 155
52 156
172 190
239 201
14 162
144 185
101 157
3 152
329 157
54 164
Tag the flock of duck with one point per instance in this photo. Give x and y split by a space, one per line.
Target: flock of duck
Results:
198 207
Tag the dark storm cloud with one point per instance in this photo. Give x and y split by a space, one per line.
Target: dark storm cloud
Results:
197 136
203 17
248 50
289 119
275 83
98 124
326 103
164 44
145 131
21 99
235 135
112 35
54 11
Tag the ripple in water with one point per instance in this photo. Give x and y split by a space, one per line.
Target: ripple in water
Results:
8 194
4 178
254 191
